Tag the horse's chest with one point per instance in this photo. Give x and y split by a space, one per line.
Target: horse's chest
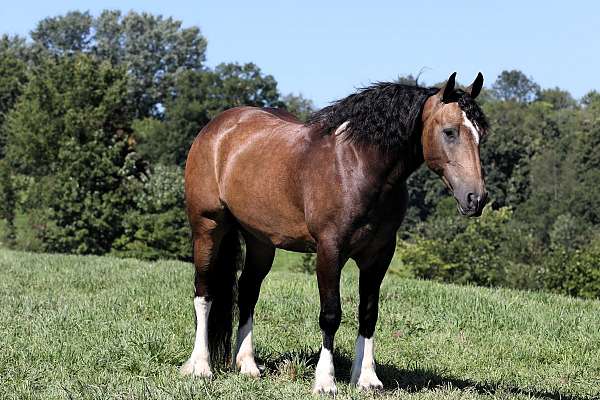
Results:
378 224
362 235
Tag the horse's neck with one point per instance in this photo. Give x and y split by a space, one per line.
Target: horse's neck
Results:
403 162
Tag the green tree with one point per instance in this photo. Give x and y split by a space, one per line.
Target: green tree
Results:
514 85
66 34
71 131
425 192
560 99
8 201
198 97
157 227
298 105
490 251
591 100
153 49
575 273
569 232
13 75
506 152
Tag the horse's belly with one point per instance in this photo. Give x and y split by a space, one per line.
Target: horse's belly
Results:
290 240
283 228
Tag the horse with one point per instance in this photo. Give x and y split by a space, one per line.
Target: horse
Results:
335 185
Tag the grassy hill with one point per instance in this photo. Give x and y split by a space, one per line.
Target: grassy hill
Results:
100 327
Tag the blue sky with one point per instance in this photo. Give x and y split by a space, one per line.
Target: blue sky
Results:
325 49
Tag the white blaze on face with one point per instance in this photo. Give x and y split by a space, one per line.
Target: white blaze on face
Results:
467 122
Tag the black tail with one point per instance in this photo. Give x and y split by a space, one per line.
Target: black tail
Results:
223 289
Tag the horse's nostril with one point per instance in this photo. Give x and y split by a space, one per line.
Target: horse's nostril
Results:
472 201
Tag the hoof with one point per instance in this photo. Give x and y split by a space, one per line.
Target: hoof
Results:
196 368
369 381
248 367
325 386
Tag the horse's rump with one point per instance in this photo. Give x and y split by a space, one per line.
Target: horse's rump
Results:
246 161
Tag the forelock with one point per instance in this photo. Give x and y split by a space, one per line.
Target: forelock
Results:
472 110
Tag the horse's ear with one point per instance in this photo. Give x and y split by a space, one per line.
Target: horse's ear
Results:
475 88
448 88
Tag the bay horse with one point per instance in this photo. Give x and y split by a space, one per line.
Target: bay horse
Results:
335 185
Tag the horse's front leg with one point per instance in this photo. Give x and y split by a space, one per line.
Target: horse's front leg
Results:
329 267
373 266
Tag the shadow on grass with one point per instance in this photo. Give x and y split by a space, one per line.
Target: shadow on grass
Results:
413 380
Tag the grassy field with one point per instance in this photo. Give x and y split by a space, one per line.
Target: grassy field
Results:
99 327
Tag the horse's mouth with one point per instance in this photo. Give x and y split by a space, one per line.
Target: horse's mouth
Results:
469 213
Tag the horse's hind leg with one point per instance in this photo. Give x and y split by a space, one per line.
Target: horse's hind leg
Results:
215 247
259 258
204 245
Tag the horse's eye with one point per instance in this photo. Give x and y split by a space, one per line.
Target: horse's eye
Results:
451 133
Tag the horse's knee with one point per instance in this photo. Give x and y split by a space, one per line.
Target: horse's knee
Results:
330 319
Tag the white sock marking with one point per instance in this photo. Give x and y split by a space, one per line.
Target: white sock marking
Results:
467 122
363 369
199 361
325 373
244 358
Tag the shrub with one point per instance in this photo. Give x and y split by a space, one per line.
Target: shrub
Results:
575 273
70 131
569 232
157 227
490 250
422 260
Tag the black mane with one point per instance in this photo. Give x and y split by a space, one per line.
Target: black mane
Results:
386 114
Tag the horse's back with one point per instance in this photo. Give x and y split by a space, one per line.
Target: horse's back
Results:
246 161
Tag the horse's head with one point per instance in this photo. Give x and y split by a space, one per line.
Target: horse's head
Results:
453 125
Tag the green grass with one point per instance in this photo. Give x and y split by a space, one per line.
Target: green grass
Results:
100 327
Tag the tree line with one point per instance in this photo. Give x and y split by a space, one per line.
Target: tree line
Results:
97 114
96 117
541 229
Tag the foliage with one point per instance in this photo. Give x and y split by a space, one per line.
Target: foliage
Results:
151 48
198 97
298 105
157 227
576 272
13 75
420 260
489 251
515 86
70 130
558 98
569 232
7 203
